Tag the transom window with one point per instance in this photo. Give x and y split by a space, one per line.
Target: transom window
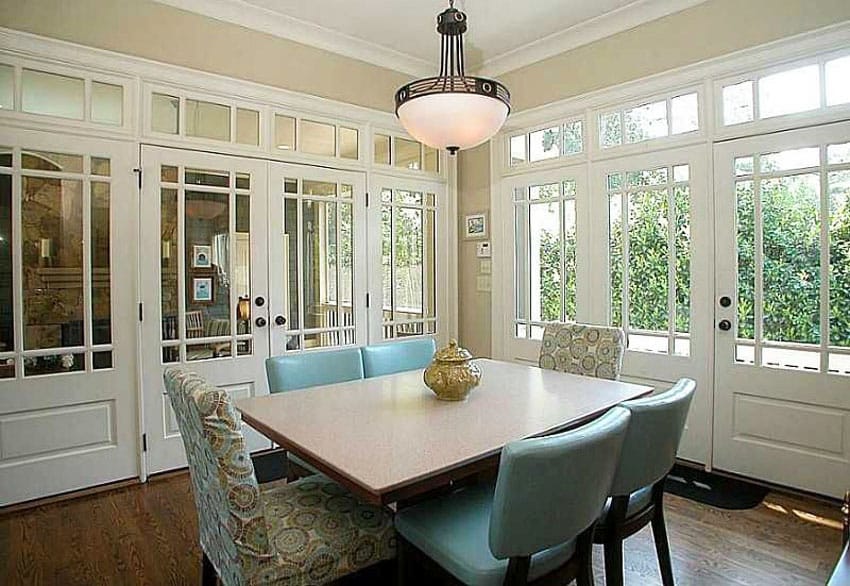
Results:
405 153
793 259
408 263
653 120
649 257
547 143
545 240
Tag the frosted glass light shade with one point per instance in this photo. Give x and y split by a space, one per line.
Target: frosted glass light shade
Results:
452 119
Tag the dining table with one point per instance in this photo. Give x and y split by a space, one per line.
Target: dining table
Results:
389 439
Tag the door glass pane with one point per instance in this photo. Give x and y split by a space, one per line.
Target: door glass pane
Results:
837 88
319 264
518 149
522 256
382 149
791 273
615 257
100 166
52 251
210 178
407 154
169 263
545 261
685 113
318 138
349 143
54 364
797 90
284 132
790 159
323 188
429 262
101 301
408 263
208 275
7 322
839 259
51 94
207 120
387 262
682 243
570 266
648 275
247 126
165 113
746 247
241 273
290 261
738 103
7 87
345 252
107 103
43 161
646 122
545 144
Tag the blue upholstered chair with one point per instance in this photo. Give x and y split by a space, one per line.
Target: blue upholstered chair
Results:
312 531
290 372
637 492
536 524
397 356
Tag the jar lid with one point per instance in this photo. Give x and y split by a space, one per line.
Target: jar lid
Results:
453 353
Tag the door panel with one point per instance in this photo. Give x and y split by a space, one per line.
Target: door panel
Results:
783 332
204 287
67 314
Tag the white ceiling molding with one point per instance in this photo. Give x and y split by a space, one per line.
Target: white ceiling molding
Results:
602 26
287 27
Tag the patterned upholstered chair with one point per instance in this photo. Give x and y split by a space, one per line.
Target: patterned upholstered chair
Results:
307 532
583 349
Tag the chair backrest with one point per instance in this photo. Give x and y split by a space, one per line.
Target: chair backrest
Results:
552 488
233 530
653 437
300 370
588 350
399 356
194 324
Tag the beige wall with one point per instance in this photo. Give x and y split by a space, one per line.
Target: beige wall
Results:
473 187
711 29
155 31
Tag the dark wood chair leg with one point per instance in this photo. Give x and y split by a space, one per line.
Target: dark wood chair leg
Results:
584 549
517 573
614 541
208 574
400 561
659 534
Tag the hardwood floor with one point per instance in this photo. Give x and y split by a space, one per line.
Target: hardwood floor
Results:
147 534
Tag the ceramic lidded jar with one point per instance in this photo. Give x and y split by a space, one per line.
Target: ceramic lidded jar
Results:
452 373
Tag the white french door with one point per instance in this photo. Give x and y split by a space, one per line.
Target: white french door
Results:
409 250
204 291
783 308
317 258
67 314
549 273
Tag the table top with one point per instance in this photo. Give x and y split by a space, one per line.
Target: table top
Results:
389 437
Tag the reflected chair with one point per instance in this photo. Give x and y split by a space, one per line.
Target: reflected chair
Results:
393 357
535 526
637 493
302 370
587 350
311 531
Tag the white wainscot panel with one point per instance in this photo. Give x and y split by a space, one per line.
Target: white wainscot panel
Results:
57 431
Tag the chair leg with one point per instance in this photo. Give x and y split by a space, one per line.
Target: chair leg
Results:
208 574
614 562
584 549
659 534
400 561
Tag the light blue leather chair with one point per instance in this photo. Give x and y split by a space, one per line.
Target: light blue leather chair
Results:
290 372
538 520
637 492
395 357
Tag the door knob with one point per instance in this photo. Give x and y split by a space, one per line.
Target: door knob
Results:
280 320
725 301
260 301
725 325
261 322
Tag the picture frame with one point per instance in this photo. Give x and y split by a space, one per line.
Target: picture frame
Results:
475 226
202 290
201 256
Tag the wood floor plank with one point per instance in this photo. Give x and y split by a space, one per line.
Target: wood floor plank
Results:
148 535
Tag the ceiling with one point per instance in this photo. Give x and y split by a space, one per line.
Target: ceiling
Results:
401 34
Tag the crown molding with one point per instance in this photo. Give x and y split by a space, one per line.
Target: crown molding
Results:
306 33
583 33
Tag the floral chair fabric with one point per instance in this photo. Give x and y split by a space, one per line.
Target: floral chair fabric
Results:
583 349
303 533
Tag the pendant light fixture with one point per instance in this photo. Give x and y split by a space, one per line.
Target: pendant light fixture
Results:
452 111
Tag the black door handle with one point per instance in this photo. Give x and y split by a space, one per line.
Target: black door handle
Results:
280 320
260 301
725 301
261 322
725 325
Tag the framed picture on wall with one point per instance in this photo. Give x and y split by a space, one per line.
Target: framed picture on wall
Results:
475 226
202 290
201 256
